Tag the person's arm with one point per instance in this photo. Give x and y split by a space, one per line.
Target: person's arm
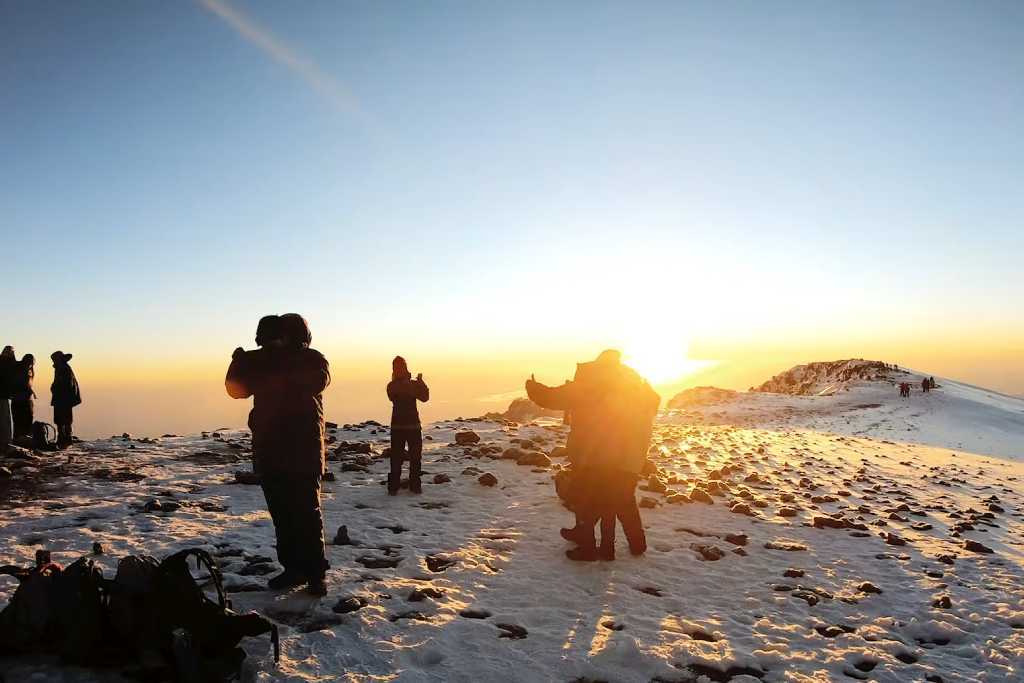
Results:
422 390
238 381
313 375
553 398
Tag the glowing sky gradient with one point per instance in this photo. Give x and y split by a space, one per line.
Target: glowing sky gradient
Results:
494 189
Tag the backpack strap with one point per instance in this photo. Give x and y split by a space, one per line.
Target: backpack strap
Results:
202 558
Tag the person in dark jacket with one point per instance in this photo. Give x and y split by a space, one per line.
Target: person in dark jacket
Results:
287 382
613 411
7 362
403 392
22 395
268 338
65 396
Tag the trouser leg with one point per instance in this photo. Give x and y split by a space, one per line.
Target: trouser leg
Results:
415 441
275 490
6 426
628 513
21 412
311 552
398 442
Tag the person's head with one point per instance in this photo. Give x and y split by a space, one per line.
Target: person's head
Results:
60 358
268 331
295 331
400 369
8 352
29 360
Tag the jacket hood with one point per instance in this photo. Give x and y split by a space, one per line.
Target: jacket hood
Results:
295 327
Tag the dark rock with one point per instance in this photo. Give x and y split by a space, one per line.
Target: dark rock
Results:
375 562
467 438
474 613
487 479
421 594
439 563
976 547
736 539
512 631
341 536
707 552
793 573
868 587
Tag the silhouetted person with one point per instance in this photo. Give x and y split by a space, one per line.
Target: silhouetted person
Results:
404 391
268 338
287 382
924 385
22 395
65 396
612 410
7 363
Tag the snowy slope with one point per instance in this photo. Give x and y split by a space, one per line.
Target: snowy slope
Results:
786 601
954 415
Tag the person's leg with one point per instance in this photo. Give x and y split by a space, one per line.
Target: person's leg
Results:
398 441
628 513
21 414
415 441
275 490
588 513
311 550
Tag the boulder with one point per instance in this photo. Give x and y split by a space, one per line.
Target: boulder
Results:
467 438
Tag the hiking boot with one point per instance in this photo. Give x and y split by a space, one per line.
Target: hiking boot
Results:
582 554
571 534
415 486
286 579
638 549
317 586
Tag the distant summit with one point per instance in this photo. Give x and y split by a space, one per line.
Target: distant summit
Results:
696 396
826 378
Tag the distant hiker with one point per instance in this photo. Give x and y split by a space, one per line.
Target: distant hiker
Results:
65 396
613 410
931 383
22 395
287 381
924 385
7 362
403 392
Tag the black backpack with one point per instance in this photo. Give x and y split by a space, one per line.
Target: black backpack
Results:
197 632
55 610
25 623
41 436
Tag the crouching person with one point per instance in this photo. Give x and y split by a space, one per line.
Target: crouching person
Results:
287 421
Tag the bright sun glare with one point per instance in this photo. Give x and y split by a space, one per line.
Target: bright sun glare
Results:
658 359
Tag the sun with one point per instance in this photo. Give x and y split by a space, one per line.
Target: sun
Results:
659 359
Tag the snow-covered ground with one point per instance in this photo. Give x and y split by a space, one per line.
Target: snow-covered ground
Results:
779 594
955 415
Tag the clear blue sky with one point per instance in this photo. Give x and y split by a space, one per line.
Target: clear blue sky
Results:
170 171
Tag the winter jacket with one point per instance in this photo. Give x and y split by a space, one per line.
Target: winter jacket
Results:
403 394
7 366
21 382
613 411
64 389
287 418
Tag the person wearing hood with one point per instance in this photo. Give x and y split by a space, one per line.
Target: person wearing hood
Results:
7 363
65 396
403 392
286 379
22 395
613 411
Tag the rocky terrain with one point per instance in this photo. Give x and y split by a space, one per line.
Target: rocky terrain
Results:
823 379
778 552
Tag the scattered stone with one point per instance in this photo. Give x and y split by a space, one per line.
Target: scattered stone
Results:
942 602
474 613
512 631
701 496
736 539
534 459
648 502
742 509
467 438
787 512
868 587
97 548
976 547
707 552
441 478
375 562
487 479
349 603
893 539
421 594
792 573
439 563
341 536
788 546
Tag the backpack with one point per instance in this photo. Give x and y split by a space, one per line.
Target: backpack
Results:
131 605
194 630
78 613
25 621
41 437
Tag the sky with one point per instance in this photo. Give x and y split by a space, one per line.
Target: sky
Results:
722 189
